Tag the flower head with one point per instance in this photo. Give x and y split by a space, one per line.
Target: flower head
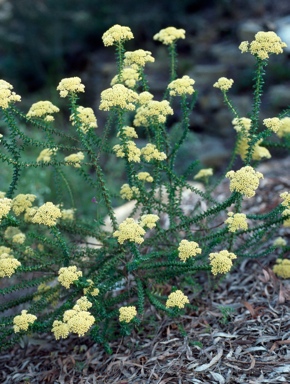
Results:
5 206
273 124
133 152
177 299
150 152
22 322
45 155
145 97
90 289
188 249
129 132
282 268
154 111
87 118
145 176
181 87
284 127
221 262
129 230
236 221
129 77
204 174
118 96
128 192
138 58
169 35
117 34
60 329
6 95
244 181
70 85
43 109
224 84
47 214
242 124
279 242
67 275
67 214
8 264
22 202
127 313
265 44
149 220
75 159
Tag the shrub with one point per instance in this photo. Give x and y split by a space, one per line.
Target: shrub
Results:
53 279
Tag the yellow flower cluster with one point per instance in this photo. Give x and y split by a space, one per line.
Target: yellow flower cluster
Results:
130 230
244 181
22 202
145 176
129 132
86 117
128 192
138 58
149 220
117 34
19 238
10 232
243 125
286 203
47 214
8 264
70 85
224 84
282 268
22 322
91 290
284 128
265 43
5 206
152 112
180 87
221 262
204 174
169 35
43 109
6 95
75 159
280 242
150 152
145 97
127 313
177 299
134 152
45 155
273 124
77 320
118 96
129 77
67 275
188 249
236 221
67 214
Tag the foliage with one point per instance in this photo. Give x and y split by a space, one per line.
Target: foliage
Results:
53 277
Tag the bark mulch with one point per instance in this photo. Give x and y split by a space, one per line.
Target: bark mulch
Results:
236 331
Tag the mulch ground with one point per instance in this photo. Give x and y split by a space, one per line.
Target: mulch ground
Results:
237 332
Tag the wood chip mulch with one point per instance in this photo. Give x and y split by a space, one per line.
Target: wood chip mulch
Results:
238 332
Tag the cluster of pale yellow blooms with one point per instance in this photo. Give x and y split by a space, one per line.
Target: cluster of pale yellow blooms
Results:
6 95
237 221
43 109
286 203
244 181
221 262
8 264
282 268
265 44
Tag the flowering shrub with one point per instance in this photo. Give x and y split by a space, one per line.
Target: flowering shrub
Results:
66 285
